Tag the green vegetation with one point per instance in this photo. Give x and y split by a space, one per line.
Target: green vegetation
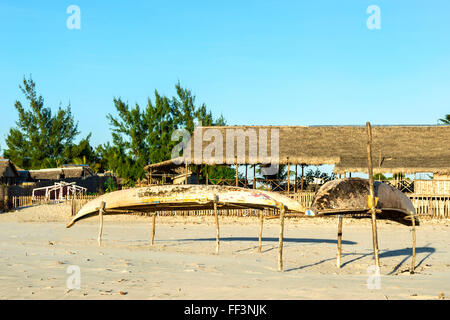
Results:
140 135
445 120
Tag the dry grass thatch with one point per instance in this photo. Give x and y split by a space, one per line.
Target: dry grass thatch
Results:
403 148
60 173
166 166
8 169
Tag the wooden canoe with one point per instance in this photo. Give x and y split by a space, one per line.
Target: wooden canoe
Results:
350 196
185 197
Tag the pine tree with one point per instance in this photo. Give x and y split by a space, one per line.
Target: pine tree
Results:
445 120
40 139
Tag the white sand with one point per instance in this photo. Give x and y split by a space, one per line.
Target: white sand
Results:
36 250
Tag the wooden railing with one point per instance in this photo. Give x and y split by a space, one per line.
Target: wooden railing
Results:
437 206
432 206
24 201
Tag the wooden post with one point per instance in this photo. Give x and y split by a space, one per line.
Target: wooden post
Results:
301 185
237 174
217 225
280 243
186 172
296 176
339 242
288 178
254 176
261 222
246 180
413 261
372 195
207 176
101 210
152 241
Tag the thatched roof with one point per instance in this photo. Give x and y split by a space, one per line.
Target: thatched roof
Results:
393 165
165 166
8 169
409 148
60 173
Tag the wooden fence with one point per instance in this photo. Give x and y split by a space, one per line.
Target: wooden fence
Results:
435 207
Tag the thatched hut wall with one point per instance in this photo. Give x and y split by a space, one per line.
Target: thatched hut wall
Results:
406 149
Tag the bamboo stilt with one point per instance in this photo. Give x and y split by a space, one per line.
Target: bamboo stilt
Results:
339 242
280 243
100 214
296 176
254 176
237 174
246 180
152 241
413 258
301 183
261 222
216 215
372 195
288 178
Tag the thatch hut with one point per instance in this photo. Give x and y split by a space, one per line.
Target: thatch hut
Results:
8 172
58 174
169 172
406 149
395 149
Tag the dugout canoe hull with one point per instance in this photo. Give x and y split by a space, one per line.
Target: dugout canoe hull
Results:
350 197
185 197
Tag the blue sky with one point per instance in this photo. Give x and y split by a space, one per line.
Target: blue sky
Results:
255 62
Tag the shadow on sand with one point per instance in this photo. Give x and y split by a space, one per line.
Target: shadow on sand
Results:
407 252
255 239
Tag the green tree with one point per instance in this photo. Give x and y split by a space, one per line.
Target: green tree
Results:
445 120
40 139
143 136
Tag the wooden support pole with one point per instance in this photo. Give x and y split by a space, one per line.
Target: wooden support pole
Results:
216 215
186 172
207 175
288 178
246 180
261 222
372 195
254 176
152 241
339 242
237 174
413 258
101 210
301 185
280 243
296 176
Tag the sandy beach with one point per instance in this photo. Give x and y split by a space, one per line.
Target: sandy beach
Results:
37 251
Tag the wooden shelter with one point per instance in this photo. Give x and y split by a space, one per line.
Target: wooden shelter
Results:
8 172
57 174
170 172
406 149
